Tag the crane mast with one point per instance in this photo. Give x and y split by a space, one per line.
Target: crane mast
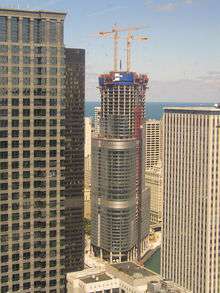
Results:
115 34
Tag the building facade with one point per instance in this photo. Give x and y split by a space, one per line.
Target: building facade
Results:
32 146
154 180
87 152
191 216
97 117
74 159
153 130
87 173
119 198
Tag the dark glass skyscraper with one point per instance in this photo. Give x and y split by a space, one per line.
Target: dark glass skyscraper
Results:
74 158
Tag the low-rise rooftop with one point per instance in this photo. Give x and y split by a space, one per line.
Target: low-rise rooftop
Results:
133 270
96 278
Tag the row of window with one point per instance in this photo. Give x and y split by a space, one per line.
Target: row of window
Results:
39 50
27 133
27 81
27 92
27 70
43 30
27 102
28 60
26 164
26 144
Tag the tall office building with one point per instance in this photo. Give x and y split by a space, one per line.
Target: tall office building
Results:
87 164
154 180
74 159
97 118
119 199
153 143
32 145
191 217
87 152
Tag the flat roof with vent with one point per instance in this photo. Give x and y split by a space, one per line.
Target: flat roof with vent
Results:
133 270
96 278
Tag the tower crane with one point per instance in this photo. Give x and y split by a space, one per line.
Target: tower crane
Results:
115 33
131 38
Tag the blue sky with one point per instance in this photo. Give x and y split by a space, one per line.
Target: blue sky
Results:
182 57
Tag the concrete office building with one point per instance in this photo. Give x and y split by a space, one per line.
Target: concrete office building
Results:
153 136
119 198
154 180
97 118
87 152
74 159
127 277
87 173
191 217
32 146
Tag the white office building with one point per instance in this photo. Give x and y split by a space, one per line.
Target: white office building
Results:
126 277
191 215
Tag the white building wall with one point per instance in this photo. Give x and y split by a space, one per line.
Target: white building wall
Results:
191 217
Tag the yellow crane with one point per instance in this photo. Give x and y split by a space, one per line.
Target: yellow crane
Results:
115 33
131 38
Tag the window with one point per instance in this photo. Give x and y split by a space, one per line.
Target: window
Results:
26 30
3 59
15 59
40 50
39 30
53 31
26 164
26 70
53 60
3 31
26 112
15 102
3 112
15 49
15 80
3 123
15 92
26 133
26 123
15 70
53 70
3 48
3 69
15 143
3 102
26 143
15 112
14 29
3 81
26 60
3 133
15 133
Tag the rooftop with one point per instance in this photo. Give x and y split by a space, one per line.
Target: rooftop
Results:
14 10
96 278
133 270
215 108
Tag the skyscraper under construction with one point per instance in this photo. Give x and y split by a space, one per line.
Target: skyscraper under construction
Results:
119 199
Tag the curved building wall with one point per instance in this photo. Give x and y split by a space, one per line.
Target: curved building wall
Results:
117 111
113 194
118 168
